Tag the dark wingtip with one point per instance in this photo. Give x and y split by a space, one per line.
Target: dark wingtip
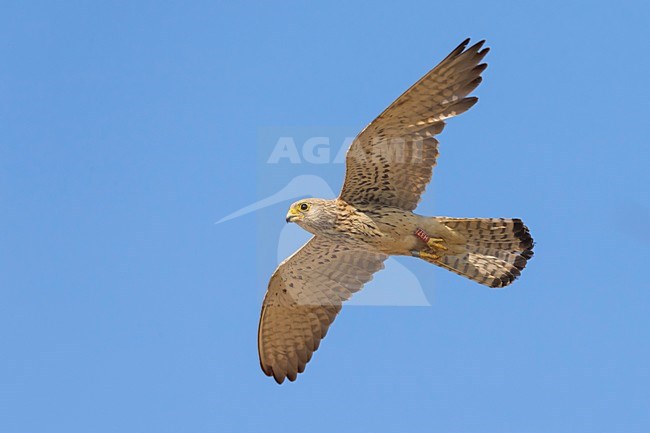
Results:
471 101
458 50
278 379
480 68
477 46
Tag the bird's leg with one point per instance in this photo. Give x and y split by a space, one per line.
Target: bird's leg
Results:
434 244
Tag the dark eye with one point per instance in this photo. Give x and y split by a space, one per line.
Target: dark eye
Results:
304 206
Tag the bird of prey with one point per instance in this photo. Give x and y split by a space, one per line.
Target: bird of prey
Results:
388 167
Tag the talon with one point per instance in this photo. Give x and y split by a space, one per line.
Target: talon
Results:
428 256
437 244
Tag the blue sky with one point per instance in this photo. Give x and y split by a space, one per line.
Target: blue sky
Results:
128 128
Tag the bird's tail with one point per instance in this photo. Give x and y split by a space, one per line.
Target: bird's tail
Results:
496 249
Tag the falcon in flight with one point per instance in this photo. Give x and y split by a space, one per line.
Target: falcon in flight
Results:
388 167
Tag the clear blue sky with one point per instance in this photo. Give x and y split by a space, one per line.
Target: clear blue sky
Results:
128 128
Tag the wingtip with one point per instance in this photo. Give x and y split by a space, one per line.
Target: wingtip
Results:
279 378
470 101
480 68
460 48
477 46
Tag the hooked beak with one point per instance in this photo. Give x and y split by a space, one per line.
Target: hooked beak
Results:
292 215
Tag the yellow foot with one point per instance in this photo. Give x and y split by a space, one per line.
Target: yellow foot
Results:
429 256
425 255
437 244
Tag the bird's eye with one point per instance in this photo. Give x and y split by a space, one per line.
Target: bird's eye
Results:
304 206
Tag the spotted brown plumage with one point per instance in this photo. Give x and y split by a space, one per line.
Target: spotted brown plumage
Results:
391 160
388 167
305 295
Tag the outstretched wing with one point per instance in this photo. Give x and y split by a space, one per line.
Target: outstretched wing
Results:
304 296
391 161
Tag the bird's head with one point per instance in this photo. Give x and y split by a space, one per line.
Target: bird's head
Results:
313 214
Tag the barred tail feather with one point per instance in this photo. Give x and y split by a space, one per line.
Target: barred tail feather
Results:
497 249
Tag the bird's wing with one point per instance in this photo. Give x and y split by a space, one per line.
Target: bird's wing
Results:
304 296
391 161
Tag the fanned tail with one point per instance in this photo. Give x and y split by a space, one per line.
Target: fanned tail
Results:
497 249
